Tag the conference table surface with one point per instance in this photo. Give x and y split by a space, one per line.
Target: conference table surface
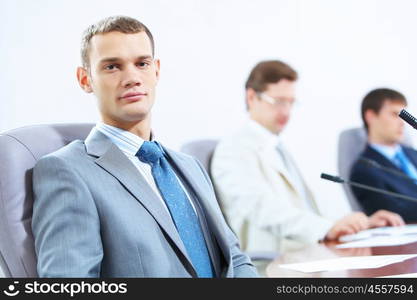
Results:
328 251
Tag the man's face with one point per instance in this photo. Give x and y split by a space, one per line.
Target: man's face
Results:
386 126
275 116
122 75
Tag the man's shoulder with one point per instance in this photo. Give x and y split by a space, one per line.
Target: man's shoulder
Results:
71 153
361 168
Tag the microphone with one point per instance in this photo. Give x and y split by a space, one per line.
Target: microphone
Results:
375 164
366 187
406 116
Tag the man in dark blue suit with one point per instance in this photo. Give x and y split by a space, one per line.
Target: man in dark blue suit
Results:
380 109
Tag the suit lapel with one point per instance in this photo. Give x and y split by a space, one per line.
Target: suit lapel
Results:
189 174
381 159
110 158
279 166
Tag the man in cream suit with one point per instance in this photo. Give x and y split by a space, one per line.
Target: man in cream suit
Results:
262 192
120 204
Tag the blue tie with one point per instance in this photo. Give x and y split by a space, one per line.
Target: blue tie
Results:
179 206
404 164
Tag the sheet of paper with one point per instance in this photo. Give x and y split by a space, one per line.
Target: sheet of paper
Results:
399 230
381 241
347 263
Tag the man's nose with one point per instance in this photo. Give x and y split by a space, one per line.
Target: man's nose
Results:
132 77
286 109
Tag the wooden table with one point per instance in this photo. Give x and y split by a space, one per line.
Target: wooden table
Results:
328 251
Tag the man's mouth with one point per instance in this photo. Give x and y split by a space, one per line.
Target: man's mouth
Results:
133 96
282 122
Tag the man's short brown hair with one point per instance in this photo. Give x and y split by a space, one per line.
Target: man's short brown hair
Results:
375 99
270 71
115 23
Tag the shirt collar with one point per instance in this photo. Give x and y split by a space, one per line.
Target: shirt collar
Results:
388 151
126 141
269 137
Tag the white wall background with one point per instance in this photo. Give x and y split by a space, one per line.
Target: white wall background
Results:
341 49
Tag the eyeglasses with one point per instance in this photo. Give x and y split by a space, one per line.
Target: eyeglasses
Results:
278 102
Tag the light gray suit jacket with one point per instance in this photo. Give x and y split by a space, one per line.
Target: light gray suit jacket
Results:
94 215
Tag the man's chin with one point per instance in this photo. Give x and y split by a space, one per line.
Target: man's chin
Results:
133 113
396 140
135 118
132 116
399 138
277 129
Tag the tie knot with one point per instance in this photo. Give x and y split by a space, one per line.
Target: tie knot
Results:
149 152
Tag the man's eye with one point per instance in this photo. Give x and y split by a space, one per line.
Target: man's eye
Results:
143 64
110 67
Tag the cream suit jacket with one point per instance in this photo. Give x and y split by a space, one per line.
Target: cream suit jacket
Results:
259 197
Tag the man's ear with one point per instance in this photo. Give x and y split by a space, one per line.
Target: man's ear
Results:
251 97
370 116
83 80
157 68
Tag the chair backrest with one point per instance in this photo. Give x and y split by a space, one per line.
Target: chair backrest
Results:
202 150
351 144
20 149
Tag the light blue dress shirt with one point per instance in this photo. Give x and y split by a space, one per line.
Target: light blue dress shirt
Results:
390 153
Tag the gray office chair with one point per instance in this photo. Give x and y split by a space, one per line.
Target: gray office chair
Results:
20 149
203 150
351 144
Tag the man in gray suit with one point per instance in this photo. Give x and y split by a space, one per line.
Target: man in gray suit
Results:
120 204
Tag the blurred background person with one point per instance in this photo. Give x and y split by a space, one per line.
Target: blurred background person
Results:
379 110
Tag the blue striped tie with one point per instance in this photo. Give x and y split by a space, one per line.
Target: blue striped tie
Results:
179 206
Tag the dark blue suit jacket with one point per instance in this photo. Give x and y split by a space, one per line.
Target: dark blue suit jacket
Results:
372 201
